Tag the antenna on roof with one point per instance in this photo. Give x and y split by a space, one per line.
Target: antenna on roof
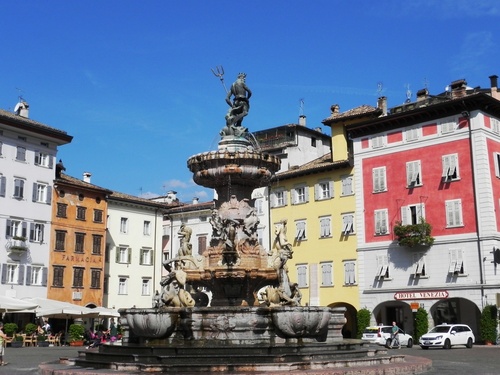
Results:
426 83
408 93
301 107
380 88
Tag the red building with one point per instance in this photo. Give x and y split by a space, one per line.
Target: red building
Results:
434 161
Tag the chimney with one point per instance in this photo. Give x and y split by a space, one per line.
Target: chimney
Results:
302 120
171 196
335 109
382 104
86 177
22 109
196 200
458 88
494 87
422 95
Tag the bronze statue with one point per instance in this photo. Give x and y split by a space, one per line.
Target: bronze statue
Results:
239 106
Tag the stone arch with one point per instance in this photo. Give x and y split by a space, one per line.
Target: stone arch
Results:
399 311
350 327
456 310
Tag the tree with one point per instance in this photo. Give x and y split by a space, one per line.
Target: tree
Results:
421 323
364 316
488 324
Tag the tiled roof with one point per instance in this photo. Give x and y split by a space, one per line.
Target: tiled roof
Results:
321 164
355 112
77 182
9 117
133 199
192 207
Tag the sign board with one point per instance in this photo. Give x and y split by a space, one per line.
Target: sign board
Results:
414 306
424 294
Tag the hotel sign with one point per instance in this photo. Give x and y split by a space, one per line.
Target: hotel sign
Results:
425 294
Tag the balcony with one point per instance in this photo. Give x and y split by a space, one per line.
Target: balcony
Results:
414 235
17 245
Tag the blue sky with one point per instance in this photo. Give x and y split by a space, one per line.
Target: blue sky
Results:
131 81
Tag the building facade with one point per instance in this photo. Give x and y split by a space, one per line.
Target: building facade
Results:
28 154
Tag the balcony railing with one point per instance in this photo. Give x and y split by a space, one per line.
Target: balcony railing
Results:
17 245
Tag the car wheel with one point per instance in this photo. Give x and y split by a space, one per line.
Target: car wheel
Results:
447 344
469 343
410 343
425 347
388 343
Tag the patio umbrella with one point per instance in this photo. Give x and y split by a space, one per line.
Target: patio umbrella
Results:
8 304
50 308
105 312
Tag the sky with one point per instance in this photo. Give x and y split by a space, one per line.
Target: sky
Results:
132 81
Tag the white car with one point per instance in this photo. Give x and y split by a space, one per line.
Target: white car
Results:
381 335
447 335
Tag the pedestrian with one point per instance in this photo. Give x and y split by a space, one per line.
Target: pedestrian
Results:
3 336
113 331
394 335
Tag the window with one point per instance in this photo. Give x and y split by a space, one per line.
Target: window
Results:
14 275
496 159
379 179
259 206
202 244
300 194
302 275
3 185
412 134
60 240
419 264
378 141
18 188
43 159
313 142
325 225
146 257
347 185
78 277
123 255
447 126
495 125
95 280
58 277
454 213
79 242
16 228
98 216
300 230
122 285
21 154
349 272
450 167
382 267
36 232
146 230
326 273
456 266
123 225
146 286
80 212
35 275
279 198
412 214
62 210
96 244
41 193
381 220
347 224
323 190
413 174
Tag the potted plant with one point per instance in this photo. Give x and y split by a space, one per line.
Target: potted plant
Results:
10 329
76 332
488 324
30 329
414 234
17 342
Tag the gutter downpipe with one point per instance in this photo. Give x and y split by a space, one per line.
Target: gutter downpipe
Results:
466 114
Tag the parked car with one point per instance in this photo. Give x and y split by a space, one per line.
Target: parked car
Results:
447 335
381 335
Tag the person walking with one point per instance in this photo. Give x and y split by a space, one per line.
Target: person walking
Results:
3 336
113 330
394 336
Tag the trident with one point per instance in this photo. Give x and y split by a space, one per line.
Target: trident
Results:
219 72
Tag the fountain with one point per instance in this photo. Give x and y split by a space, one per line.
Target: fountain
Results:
254 320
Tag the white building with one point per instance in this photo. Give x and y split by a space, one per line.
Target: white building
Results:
133 251
28 151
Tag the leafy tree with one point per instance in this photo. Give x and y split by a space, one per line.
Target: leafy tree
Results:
421 323
488 324
364 316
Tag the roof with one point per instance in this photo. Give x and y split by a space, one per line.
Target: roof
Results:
321 164
19 122
360 111
191 207
122 197
69 180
